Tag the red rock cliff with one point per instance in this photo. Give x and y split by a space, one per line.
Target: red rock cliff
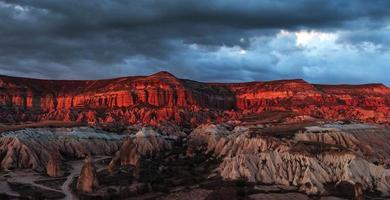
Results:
163 97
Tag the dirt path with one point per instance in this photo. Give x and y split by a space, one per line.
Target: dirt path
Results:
5 189
76 168
29 176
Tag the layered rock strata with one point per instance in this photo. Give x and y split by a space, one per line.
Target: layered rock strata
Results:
163 97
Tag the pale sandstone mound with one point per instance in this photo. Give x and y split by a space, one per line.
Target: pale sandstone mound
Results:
370 142
15 154
146 142
309 173
32 148
306 164
88 180
221 141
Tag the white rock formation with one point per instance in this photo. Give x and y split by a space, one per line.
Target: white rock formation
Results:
367 141
146 142
31 148
310 165
222 142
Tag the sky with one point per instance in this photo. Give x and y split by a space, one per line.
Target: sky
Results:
321 41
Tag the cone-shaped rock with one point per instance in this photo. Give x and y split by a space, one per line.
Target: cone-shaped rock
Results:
53 167
147 142
87 181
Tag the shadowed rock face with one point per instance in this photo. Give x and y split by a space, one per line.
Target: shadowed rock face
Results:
88 180
163 97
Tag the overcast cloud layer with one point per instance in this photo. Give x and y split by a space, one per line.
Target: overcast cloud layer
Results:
323 41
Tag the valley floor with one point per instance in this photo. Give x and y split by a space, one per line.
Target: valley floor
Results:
326 161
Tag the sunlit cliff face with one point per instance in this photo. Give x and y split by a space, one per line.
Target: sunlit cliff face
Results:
163 97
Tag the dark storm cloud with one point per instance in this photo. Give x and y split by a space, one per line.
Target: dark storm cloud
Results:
95 39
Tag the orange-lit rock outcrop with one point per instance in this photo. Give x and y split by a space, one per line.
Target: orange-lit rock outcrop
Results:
163 97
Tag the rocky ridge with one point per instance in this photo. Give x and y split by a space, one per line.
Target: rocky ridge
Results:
145 143
309 161
43 148
163 97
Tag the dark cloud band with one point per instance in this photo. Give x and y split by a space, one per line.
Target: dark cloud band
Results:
100 39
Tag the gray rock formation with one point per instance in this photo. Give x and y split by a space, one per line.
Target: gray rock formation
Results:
370 142
146 142
32 148
306 161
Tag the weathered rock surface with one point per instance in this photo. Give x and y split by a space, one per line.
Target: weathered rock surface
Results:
310 164
163 97
88 180
53 166
309 173
347 156
368 141
33 148
145 143
220 140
